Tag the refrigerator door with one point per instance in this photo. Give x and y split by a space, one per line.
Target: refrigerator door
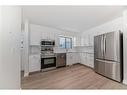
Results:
98 47
112 46
100 66
112 70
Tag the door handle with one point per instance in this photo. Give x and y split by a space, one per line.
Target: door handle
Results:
106 61
102 45
100 60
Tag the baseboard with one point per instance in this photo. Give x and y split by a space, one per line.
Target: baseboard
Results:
86 66
125 82
72 64
26 74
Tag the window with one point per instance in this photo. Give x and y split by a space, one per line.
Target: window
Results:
62 42
65 42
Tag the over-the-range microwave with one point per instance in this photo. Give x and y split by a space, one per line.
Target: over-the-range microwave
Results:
47 43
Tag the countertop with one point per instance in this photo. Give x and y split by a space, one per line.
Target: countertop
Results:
75 52
82 52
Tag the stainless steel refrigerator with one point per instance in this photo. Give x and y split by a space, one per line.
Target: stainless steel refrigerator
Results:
108 58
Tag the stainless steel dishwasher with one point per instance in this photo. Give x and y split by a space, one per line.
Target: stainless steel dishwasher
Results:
60 59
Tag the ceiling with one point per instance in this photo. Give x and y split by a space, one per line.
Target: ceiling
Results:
71 18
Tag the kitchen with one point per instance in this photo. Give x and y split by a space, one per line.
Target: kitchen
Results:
37 44
51 47
72 47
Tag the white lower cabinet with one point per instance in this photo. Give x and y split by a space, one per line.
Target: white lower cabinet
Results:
73 58
34 63
70 59
90 60
87 59
83 58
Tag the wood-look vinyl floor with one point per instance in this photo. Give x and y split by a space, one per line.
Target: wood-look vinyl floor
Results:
73 77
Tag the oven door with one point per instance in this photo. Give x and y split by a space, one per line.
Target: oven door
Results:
48 62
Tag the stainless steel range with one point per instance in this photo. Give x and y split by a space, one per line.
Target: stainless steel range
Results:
48 58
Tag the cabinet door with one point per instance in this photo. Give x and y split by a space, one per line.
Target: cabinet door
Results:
47 33
35 35
90 60
76 57
70 59
73 58
83 58
44 35
34 63
52 35
80 58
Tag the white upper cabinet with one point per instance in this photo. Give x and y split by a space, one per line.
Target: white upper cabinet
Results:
47 33
35 34
38 32
44 35
51 35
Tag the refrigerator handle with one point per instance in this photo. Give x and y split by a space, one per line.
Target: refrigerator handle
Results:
102 45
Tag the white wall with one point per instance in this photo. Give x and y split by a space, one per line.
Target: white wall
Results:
10 47
114 25
125 45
